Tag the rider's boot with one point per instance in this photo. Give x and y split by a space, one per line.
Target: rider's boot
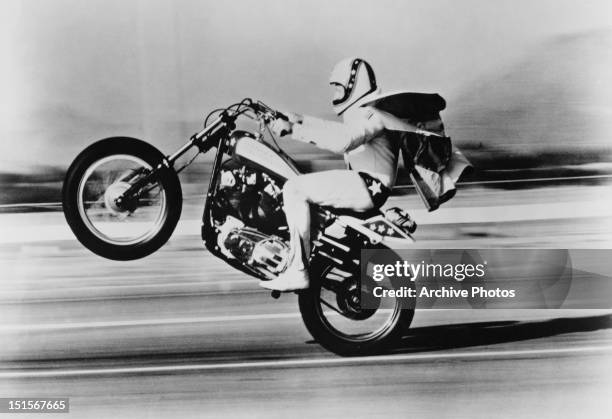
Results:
292 279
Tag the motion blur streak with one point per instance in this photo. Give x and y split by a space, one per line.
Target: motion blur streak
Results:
305 362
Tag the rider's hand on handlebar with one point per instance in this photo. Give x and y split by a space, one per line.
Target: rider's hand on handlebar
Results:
284 121
281 127
294 118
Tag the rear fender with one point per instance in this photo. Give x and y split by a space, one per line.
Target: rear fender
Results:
378 230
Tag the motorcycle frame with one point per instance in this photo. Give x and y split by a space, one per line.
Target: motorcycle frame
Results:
219 134
323 248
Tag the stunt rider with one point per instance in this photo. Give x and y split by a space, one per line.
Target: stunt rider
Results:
370 151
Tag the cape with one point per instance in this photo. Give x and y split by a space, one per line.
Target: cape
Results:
434 164
409 105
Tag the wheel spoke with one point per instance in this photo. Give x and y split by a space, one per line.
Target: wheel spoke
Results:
354 323
104 182
330 306
331 285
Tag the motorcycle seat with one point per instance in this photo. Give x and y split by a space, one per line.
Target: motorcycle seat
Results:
362 215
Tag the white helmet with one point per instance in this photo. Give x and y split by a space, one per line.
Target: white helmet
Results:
356 80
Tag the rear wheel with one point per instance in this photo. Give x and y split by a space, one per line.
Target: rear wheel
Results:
336 315
94 204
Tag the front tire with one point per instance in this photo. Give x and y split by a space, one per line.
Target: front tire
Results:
102 172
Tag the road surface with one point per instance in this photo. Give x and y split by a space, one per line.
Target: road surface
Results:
180 334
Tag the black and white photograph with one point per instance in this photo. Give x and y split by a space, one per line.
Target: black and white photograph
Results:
306 209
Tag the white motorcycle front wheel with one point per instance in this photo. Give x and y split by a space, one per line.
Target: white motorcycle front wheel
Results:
104 222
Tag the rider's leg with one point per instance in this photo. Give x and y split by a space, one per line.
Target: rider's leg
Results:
297 210
335 188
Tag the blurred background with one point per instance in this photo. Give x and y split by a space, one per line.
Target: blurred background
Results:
527 83
179 333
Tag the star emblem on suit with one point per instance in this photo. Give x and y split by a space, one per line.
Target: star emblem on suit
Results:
375 188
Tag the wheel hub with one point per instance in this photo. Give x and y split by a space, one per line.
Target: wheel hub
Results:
112 195
348 299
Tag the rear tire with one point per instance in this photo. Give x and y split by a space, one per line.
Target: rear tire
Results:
167 182
331 339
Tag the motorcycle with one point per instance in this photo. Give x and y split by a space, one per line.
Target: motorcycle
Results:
122 199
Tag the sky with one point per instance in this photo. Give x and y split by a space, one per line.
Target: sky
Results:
73 71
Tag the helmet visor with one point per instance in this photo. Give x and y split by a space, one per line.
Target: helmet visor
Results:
338 93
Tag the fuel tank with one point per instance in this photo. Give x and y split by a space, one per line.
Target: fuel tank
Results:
247 148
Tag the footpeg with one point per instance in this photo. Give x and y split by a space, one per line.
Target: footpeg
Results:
275 294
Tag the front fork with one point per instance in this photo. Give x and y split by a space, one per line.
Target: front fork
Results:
203 140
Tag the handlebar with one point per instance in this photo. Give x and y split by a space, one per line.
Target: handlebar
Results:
205 138
209 136
265 110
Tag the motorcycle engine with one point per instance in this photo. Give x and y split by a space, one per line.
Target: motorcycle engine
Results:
267 254
250 195
247 211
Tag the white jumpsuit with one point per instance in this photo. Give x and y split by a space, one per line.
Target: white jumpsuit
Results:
367 148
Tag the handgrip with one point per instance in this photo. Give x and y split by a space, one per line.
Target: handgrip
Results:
280 115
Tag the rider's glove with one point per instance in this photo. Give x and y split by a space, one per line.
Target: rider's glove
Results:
294 118
281 127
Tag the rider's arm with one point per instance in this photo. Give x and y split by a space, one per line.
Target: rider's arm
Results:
336 136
